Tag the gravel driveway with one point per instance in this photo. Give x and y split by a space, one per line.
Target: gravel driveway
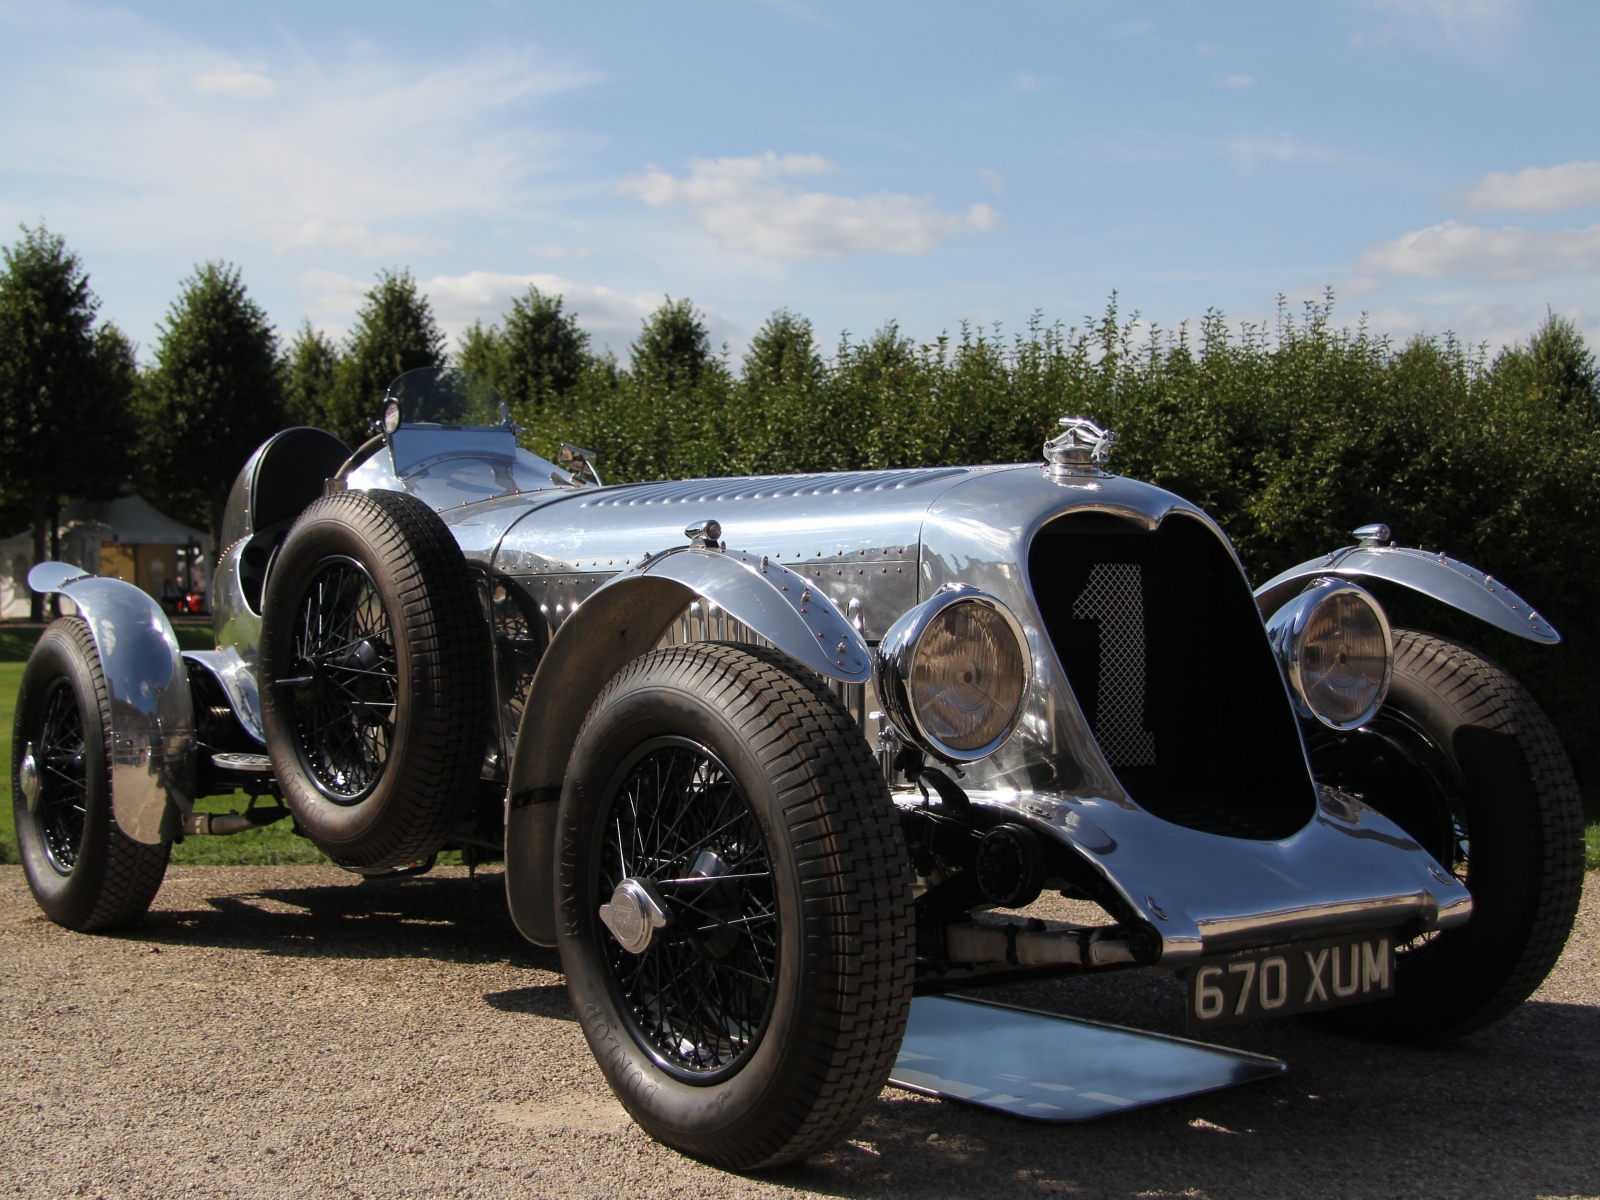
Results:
291 1031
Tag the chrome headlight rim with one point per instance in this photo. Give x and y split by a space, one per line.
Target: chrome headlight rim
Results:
1286 629
896 657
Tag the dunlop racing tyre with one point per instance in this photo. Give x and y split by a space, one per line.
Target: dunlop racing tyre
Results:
374 678
85 872
762 1018
1464 759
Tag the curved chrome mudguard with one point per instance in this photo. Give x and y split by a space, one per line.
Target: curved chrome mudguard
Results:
1350 870
1445 579
152 713
621 621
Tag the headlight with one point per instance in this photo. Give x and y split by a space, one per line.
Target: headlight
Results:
953 672
1336 650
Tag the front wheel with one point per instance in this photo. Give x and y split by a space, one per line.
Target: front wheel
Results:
83 870
1462 758
736 923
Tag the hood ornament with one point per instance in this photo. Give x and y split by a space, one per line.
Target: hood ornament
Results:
1079 449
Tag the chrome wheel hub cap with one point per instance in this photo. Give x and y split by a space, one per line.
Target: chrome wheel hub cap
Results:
635 912
28 777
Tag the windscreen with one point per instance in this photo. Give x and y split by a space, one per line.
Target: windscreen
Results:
447 396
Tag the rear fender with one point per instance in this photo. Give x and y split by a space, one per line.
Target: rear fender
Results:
1436 575
152 713
620 622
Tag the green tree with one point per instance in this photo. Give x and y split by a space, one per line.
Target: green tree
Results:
674 349
65 420
395 332
216 393
482 352
313 366
783 353
543 353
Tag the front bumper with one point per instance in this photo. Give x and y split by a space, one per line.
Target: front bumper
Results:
1350 870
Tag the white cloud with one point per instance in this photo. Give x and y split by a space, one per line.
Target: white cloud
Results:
1460 24
1534 189
355 153
1275 147
347 237
981 216
1508 253
236 81
1240 81
1025 82
993 179
749 207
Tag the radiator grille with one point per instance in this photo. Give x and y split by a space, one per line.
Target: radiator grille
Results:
1164 650
1115 600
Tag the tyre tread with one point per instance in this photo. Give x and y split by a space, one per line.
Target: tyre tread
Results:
447 727
133 870
855 874
1490 698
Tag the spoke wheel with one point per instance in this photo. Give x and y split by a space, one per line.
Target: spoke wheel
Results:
84 873
376 695
700 993
345 682
735 904
63 800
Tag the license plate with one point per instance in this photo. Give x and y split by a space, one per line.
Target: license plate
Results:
1286 980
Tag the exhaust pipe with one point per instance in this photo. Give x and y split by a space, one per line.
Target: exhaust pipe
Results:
1036 944
222 824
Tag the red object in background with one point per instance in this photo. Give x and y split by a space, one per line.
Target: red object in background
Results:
194 602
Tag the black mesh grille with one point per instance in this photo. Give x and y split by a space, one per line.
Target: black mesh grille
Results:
1163 647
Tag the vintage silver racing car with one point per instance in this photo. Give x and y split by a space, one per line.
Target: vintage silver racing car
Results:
766 756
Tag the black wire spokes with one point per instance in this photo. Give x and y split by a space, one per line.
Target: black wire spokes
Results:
344 681
701 991
62 805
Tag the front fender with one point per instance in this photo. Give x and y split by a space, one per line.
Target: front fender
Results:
152 713
1444 579
620 622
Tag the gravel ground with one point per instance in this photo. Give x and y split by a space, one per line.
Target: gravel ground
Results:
293 1032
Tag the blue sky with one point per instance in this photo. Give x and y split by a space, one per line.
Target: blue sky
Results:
1433 161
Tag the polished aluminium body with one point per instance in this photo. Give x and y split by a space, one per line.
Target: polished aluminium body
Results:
579 579
872 545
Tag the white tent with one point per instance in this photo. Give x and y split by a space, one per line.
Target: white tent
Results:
126 538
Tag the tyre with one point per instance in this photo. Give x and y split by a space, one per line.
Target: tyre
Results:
84 872
375 678
1463 759
746 985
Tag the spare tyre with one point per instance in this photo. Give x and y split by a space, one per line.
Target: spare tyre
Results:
375 678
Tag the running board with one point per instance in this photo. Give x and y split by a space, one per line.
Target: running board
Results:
1053 1068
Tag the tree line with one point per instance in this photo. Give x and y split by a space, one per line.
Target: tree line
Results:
1290 432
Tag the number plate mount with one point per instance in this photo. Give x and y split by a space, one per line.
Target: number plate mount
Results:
1283 981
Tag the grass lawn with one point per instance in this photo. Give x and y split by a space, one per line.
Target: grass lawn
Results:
276 844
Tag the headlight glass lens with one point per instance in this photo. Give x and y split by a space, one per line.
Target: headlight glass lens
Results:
968 676
1344 659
